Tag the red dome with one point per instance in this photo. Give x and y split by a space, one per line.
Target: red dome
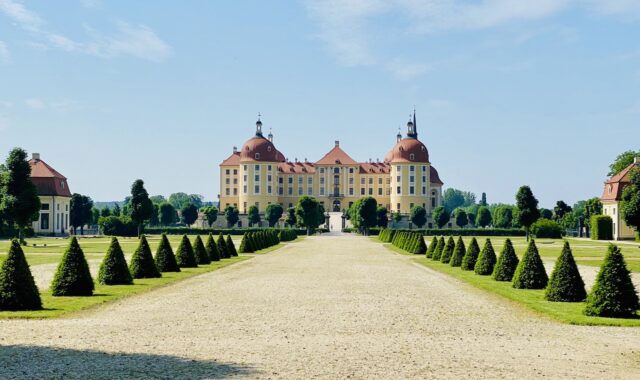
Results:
408 150
260 149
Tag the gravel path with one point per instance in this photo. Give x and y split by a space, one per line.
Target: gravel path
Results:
324 307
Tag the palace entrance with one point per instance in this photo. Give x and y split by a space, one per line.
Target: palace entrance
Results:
336 206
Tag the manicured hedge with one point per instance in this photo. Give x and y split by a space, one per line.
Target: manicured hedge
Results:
410 241
454 231
214 231
258 240
547 229
601 227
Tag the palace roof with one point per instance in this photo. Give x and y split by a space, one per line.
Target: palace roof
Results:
232 160
614 186
47 180
408 149
374 168
336 156
296 167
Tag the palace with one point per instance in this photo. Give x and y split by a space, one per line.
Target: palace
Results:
259 174
611 197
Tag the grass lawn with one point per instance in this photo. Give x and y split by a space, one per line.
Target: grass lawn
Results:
567 312
586 252
59 306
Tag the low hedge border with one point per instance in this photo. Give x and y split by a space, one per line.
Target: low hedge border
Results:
214 231
451 231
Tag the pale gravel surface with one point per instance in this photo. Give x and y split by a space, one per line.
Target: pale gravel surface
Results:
325 307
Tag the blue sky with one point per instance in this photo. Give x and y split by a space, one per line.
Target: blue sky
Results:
507 92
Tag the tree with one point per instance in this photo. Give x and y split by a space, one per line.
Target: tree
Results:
630 204
447 252
486 260
157 199
19 201
382 220
507 263
613 294
418 216
80 212
441 216
95 215
114 270
469 198
483 219
527 205
623 160
461 217
231 247
116 210
72 277
530 273
165 258
18 290
200 252
140 205
189 214
364 214
452 199
273 213
503 217
253 216
184 255
154 220
231 214
307 211
432 247
561 210
471 257
222 247
546 213
458 253
291 217
483 200
181 200
142 263
167 214
437 254
592 207
210 214
565 284
105 212
212 249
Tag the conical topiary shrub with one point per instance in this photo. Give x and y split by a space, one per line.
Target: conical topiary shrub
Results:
72 277
432 247
165 259
231 247
18 290
613 294
507 263
471 257
565 283
447 252
212 249
222 247
185 256
245 244
114 269
530 273
142 263
439 248
421 247
200 252
486 260
458 253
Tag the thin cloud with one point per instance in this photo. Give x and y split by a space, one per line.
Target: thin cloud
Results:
138 41
4 52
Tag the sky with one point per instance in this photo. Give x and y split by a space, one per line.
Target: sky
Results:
507 92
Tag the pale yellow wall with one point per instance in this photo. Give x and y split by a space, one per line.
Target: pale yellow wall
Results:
352 185
620 228
58 214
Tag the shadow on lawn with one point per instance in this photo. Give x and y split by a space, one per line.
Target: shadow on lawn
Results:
18 362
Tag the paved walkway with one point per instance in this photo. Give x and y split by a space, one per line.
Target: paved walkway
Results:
323 307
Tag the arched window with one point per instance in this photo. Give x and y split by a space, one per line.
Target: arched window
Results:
412 157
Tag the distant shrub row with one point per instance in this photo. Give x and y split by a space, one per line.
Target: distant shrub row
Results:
412 242
601 227
454 231
257 240
225 231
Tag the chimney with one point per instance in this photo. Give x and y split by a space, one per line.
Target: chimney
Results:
337 142
35 156
235 149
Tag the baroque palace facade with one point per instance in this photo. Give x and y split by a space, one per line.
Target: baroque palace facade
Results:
259 174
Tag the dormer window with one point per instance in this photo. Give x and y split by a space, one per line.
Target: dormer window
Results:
412 157
269 148
257 156
62 184
610 189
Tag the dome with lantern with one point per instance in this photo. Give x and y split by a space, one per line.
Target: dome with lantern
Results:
408 149
259 148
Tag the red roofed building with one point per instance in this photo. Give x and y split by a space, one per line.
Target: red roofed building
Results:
55 198
611 196
259 174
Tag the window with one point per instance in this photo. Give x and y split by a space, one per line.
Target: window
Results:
235 181
300 191
412 157
322 180
257 156
362 180
398 207
290 191
44 221
336 171
45 206
310 180
244 190
290 205
245 178
322 191
362 191
380 181
244 208
350 180
227 181
424 179
67 208
370 191
246 167
412 168
269 148
398 179
62 184
398 191
269 189
280 191
235 191
398 169
309 191
379 191
370 180
412 179
412 190
227 191
58 207
235 171
350 170
257 168
228 171
433 202
280 180
269 167
351 191
410 206
290 180
257 178
256 189
321 170
424 190
300 180
269 178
